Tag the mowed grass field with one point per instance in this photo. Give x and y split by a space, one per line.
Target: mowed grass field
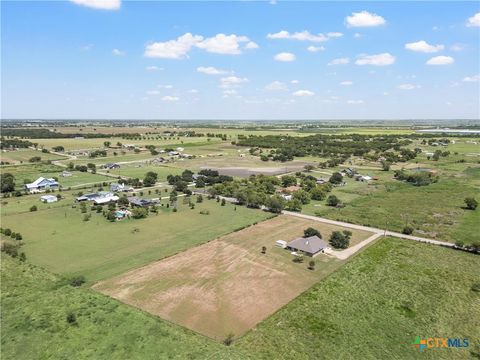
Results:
375 306
59 240
32 172
228 285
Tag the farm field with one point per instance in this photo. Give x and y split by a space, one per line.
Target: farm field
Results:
343 309
228 285
375 306
19 156
136 170
59 240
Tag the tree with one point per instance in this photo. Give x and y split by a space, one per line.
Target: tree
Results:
386 165
311 232
150 178
275 204
340 240
187 175
107 144
173 197
264 249
336 178
288 180
302 196
223 202
22 257
18 236
317 194
139 213
123 201
471 203
111 216
7 183
294 205
311 265
199 198
309 168
33 208
332 200
7 232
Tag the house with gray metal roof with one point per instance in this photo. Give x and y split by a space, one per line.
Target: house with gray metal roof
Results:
311 245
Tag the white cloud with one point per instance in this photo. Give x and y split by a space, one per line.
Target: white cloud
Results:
232 81
355 102
193 91
357 35
474 20
153 68
152 92
99 4
376 60
165 86
276 86
251 45
364 19
312 48
225 44
117 52
210 70
457 47
87 47
173 49
334 34
346 83
474 78
423 46
339 61
303 93
441 60
170 98
408 86
285 57
230 92
303 36
294 82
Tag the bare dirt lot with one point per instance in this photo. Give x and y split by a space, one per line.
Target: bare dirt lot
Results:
227 285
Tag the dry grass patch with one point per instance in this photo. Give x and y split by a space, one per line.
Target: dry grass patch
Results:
228 285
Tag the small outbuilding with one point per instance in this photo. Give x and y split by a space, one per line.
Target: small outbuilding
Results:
48 199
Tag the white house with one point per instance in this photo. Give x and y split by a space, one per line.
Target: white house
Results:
120 187
48 199
41 184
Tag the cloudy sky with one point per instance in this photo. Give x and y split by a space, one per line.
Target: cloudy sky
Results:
107 59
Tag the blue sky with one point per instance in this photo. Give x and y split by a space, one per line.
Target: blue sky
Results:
106 59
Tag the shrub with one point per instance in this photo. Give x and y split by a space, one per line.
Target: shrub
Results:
407 230
205 212
311 265
18 236
10 249
471 203
332 200
7 232
77 281
71 318
229 339
33 208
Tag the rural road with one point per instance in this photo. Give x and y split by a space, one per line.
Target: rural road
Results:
344 254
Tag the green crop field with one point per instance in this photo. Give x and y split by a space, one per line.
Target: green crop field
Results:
59 240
